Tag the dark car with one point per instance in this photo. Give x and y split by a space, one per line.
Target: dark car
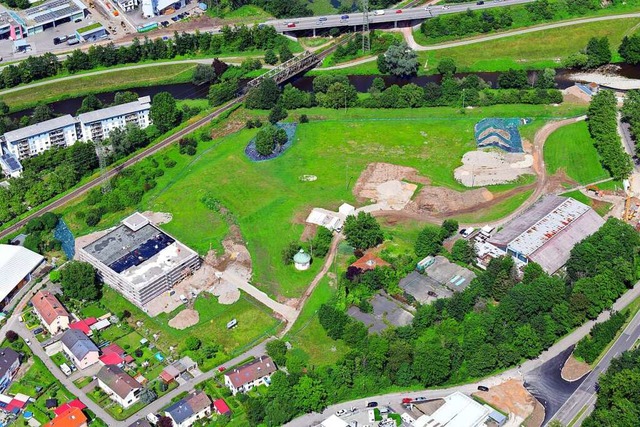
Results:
483 388
38 331
175 18
343 17
372 404
322 18
165 23
480 2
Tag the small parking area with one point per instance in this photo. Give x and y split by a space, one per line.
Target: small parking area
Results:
386 313
423 288
448 274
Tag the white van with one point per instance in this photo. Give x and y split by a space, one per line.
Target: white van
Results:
65 369
378 12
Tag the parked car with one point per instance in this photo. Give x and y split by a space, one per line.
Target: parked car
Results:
59 40
165 23
73 40
420 399
184 299
480 2
27 341
483 388
38 331
175 18
344 17
406 400
372 404
222 369
341 412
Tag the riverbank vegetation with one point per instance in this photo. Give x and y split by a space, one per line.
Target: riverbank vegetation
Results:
454 26
537 50
631 114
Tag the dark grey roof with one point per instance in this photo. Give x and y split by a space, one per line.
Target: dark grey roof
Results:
78 343
8 357
142 422
180 411
118 380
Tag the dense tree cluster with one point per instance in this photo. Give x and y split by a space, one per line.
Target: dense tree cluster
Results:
379 42
602 121
596 53
618 401
629 49
470 22
496 322
590 347
79 281
399 60
40 236
631 114
363 231
269 139
46 176
317 247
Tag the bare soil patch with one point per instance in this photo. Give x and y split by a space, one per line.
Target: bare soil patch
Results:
442 201
575 95
158 217
226 292
236 121
574 369
375 174
481 168
185 319
510 397
559 181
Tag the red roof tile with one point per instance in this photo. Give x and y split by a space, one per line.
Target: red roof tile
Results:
45 303
221 406
111 359
369 262
82 326
72 417
113 348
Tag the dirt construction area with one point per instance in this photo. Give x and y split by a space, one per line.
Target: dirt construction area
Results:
481 168
512 398
574 369
184 319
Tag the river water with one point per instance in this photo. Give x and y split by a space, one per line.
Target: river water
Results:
361 83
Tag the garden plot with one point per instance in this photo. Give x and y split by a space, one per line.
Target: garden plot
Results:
480 168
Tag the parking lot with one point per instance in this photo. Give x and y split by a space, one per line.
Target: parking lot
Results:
424 288
449 274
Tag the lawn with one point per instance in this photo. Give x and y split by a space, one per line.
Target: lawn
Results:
528 51
571 149
254 323
116 80
307 333
37 375
92 310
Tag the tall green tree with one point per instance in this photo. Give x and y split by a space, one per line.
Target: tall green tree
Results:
164 111
79 281
629 49
400 60
363 231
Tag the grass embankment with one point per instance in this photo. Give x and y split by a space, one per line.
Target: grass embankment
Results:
571 149
269 201
536 50
57 90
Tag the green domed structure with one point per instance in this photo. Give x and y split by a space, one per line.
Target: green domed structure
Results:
302 260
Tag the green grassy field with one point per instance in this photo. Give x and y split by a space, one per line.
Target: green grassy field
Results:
254 322
529 51
571 150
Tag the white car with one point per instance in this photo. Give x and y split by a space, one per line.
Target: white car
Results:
184 299
378 12
27 341
341 412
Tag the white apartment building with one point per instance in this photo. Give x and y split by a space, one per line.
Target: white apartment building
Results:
96 125
35 139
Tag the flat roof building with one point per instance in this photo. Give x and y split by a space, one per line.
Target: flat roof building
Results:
96 125
459 410
10 164
547 231
50 14
139 260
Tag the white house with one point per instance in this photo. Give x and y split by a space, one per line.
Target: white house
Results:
119 385
250 375
96 125
35 139
185 412
50 311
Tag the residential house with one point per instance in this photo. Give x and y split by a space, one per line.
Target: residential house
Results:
96 125
80 349
250 375
84 325
9 364
119 385
72 417
221 407
32 140
113 354
50 311
195 406
177 368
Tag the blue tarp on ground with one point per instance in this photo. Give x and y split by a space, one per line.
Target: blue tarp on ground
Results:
63 234
252 153
500 133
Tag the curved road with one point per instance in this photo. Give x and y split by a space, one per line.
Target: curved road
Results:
415 46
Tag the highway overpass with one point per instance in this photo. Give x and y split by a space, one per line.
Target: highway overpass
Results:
391 16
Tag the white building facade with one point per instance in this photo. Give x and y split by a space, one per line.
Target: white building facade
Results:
96 125
35 139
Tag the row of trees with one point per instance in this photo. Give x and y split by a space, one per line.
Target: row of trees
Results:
602 115
590 347
595 54
631 114
476 22
496 322
241 38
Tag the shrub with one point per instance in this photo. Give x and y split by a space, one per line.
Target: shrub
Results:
93 217
303 118
54 276
169 163
11 336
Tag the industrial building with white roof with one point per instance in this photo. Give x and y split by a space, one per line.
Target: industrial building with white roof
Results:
139 260
17 264
547 231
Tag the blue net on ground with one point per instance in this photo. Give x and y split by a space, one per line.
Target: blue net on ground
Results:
252 153
63 234
500 133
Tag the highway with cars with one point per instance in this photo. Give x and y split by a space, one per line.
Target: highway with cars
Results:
385 16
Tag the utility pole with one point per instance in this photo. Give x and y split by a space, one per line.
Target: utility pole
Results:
366 43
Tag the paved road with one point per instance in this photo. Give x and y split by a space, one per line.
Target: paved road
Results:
585 395
389 16
529 366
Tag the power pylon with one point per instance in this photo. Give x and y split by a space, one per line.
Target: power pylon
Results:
366 43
